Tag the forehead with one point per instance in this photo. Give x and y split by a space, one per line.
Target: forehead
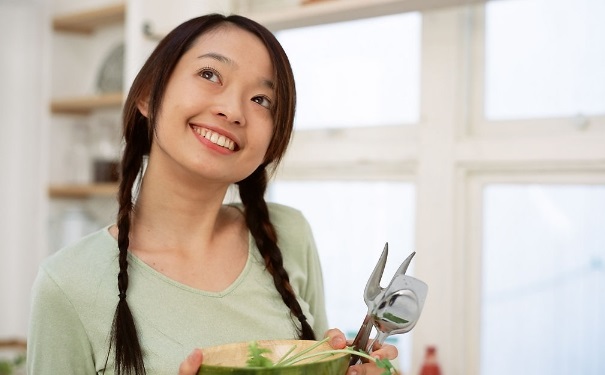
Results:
243 48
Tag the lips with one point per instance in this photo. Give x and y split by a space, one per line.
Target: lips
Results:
216 138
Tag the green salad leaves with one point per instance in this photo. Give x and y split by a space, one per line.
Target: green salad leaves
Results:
257 358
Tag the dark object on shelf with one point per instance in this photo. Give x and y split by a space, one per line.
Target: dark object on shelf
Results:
105 171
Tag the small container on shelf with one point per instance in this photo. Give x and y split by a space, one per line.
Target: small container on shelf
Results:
106 152
430 366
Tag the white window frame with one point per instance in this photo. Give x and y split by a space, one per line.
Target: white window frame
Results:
578 126
449 156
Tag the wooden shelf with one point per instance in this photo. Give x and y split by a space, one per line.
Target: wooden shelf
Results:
86 104
86 22
13 344
83 191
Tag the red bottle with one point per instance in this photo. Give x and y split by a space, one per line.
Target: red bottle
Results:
430 365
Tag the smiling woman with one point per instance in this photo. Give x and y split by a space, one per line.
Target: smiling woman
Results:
212 107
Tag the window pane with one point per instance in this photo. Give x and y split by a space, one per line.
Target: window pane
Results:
356 73
351 221
544 58
543 291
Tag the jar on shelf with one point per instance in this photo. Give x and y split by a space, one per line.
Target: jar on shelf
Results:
105 151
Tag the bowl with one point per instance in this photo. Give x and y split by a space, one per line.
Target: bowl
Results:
231 359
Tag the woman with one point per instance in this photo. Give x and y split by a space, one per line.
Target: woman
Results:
213 106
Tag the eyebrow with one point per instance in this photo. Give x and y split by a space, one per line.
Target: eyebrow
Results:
226 60
217 57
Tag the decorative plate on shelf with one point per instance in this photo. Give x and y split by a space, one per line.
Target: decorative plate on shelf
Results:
111 74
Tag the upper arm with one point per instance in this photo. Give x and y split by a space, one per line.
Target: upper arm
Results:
57 341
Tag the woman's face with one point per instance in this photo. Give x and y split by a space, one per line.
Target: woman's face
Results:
215 119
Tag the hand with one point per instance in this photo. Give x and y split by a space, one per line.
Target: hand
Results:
192 363
338 341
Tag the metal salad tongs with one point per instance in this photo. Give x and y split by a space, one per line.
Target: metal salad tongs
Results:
391 310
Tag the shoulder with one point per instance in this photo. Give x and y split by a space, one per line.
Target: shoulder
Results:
294 234
289 222
80 265
285 215
89 251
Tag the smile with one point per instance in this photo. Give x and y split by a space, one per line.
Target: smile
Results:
215 138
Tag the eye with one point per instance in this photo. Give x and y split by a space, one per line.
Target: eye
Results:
262 100
210 74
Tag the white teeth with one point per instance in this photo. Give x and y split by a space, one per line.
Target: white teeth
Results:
216 138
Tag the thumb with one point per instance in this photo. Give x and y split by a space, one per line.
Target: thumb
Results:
192 363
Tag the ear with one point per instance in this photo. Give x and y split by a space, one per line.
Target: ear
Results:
143 106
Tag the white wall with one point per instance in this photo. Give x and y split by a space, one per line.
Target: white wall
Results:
23 127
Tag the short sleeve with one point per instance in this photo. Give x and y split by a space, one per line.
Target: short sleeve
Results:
57 342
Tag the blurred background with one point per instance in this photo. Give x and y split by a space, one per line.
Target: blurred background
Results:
471 132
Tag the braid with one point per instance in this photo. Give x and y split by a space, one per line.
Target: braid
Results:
128 353
252 190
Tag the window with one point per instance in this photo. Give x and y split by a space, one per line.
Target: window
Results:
550 64
543 284
356 73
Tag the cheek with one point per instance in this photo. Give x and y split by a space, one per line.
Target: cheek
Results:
259 146
267 137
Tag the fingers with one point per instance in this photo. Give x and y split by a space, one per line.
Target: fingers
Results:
356 370
389 352
385 351
337 338
365 369
338 341
192 363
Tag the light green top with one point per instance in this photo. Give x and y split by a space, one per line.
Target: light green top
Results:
75 296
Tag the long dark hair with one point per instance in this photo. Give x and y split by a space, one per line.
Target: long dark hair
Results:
151 84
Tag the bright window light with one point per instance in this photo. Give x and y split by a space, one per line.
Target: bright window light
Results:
357 73
544 58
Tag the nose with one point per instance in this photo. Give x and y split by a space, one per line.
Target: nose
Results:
229 106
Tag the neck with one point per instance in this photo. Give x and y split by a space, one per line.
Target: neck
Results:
171 214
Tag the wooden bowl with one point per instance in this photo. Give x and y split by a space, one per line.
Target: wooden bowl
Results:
231 359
